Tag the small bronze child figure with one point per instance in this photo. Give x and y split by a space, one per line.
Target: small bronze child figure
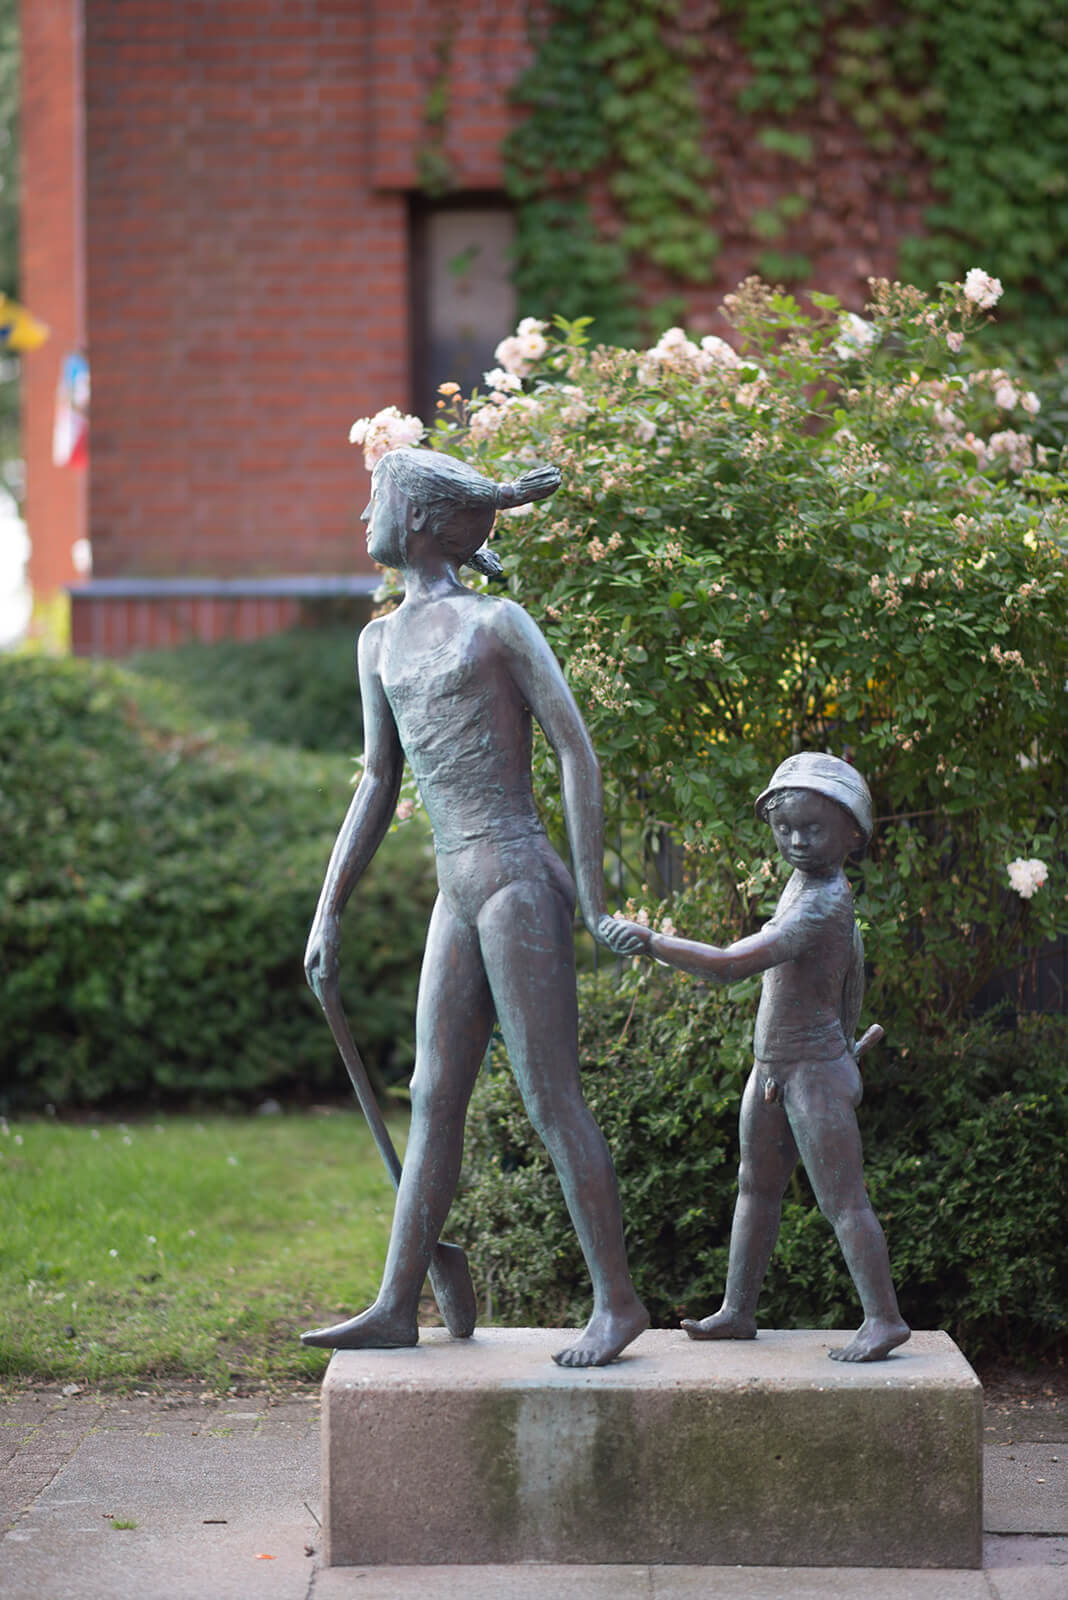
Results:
802 1094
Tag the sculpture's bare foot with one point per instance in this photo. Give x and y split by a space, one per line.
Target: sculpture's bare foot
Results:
604 1336
373 1329
724 1325
873 1340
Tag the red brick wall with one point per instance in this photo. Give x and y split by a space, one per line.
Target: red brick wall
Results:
119 627
247 283
481 46
55 503
248 164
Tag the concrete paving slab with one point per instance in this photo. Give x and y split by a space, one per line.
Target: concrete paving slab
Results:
218 1500
813 1583
532 1581
171 1460
1026 1489
522 1581
1027 1567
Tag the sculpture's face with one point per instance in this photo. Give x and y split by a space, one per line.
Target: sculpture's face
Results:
386 516
813 833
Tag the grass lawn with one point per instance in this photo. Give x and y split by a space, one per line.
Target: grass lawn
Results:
184 1247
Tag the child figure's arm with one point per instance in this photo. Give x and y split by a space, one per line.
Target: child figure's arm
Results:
740 960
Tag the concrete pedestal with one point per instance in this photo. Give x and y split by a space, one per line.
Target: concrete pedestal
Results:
762 1453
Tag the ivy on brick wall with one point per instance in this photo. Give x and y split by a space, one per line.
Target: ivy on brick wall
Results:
609 92
976 89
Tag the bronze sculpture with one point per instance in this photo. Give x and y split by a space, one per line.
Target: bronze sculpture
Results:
802 1094
451 680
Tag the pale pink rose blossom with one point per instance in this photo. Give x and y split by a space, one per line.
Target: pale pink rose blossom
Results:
485 421
955 341
720 352
981 289
855 335
389 429
1016 447
501 380
1027 876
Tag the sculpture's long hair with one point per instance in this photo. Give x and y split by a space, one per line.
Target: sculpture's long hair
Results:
461 504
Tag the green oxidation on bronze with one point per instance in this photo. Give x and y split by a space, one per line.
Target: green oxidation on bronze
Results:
453 682
801 1099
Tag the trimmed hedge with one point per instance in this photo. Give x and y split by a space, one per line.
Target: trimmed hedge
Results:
966 1157
157 882
293 688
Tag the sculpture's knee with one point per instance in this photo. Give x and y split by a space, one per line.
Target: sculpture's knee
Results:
850 1211
559 1119
435 1101
754 1183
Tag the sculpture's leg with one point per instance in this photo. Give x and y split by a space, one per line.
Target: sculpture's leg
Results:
821 1107
454 1018
527 946
769 1156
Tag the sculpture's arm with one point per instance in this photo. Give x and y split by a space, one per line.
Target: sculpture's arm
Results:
757 953
367 818
541 683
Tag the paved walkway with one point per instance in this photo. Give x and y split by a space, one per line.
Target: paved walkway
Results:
224 1498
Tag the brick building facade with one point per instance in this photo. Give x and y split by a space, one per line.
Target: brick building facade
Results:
222 207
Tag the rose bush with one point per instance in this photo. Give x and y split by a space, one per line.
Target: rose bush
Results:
831 532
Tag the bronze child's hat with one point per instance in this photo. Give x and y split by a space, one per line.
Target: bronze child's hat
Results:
827 775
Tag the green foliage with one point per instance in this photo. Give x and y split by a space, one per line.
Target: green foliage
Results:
977 90
998 150
434 168
296 688
843 540
783 40
608 95
965 1145
157 883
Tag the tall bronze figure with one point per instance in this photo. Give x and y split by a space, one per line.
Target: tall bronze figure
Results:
451 680
804 1088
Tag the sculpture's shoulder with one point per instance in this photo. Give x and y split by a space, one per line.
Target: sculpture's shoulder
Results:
811 909
511 625
369 644
828 900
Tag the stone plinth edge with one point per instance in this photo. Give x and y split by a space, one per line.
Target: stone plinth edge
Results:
757 1454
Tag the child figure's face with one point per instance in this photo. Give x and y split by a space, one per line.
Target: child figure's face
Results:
813 833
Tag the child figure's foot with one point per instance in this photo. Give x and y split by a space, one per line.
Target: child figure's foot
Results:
724 1325
873 1340
604 1336
373 1329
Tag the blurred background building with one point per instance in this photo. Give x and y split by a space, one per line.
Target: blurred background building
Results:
256 220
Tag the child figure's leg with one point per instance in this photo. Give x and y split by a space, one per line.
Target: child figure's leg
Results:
769 1156
820 1104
